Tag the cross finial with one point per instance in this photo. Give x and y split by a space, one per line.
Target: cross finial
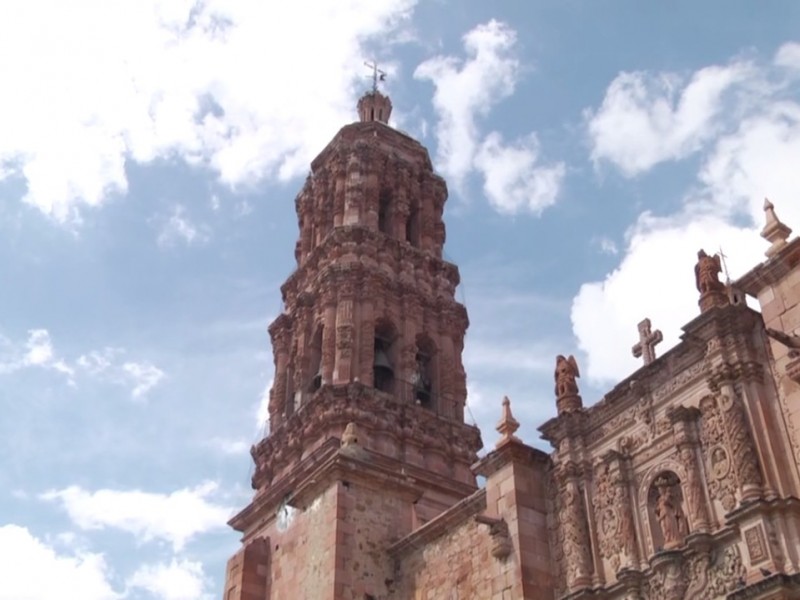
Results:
507 424
377 74
646 346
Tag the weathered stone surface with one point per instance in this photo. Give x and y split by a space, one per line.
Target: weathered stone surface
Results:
681 482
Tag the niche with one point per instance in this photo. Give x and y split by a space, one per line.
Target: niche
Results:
665 507
383 361
315 360
385 212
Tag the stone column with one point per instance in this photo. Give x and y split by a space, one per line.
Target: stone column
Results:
684 428
344 338
574 529
739 438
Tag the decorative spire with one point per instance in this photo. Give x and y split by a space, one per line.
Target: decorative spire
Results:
774 231
507 424
374 106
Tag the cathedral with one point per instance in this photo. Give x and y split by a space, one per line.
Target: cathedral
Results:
682 482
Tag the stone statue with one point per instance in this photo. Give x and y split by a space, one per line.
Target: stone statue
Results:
670 515
566 374
706 272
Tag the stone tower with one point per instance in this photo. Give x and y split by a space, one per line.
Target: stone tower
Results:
367 437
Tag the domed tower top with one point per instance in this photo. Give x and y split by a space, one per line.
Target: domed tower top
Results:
374 106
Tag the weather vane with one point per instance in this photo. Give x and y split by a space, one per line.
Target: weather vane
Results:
377 74
724 265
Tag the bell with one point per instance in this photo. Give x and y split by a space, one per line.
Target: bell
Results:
382 361
316 381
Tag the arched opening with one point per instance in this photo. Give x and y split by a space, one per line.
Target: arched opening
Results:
384 213
668 522
412 227
423 379
383 362
315 361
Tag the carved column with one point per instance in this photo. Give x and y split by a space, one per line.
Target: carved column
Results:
740 441
684 427
345 338
574 527
614 513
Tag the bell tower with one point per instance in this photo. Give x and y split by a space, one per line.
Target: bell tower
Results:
367 439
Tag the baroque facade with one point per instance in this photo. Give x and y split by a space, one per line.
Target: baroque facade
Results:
681 483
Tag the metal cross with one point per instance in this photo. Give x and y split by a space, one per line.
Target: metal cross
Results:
646 347
377 74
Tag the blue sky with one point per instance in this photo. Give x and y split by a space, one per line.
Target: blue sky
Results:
149 157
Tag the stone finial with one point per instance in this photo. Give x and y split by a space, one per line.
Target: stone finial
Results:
507 424
568 398
646 346
775 232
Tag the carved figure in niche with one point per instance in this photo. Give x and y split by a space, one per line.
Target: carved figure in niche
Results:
566 374
668 511
706 272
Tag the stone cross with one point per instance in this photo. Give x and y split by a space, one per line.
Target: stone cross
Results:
646 347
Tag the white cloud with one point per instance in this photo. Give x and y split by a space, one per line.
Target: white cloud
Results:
178 580
175 518
647 119
143 376
178 228
142 79
751 158
788 56
37 351
656 280
32 570
469 89
512 181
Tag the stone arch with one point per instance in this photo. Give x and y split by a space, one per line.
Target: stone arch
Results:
385 212
384 358
314 375
412 224
666 513
425 376
651 534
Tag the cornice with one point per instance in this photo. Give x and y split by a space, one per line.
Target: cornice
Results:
771 271
440 525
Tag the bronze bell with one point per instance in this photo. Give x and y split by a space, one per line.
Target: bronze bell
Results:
382 362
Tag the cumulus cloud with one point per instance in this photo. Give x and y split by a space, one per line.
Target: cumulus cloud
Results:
177 580
512 180
33 570
98 84
178 228
37 351
467 90
750 158
646 119
176 517
143 376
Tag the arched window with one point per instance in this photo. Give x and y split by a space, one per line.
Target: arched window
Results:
383 362
385 213
412 227
423 379
315 361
